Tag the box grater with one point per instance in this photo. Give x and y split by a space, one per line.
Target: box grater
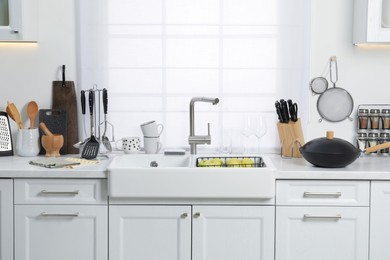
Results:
5 135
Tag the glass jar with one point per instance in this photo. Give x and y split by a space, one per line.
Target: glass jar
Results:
384 137
373 139
362 141
363 118
385 115
374 118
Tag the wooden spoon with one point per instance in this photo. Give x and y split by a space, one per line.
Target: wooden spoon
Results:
32 112
13 112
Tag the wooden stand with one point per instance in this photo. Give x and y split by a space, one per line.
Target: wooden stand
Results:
291 138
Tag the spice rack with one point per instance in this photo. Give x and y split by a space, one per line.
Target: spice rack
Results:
373 126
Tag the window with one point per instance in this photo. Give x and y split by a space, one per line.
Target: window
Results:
153 56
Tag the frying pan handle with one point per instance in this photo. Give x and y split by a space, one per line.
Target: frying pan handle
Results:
63 75
83 102
377 147
105 100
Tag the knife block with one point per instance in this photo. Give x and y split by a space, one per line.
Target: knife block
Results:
291 138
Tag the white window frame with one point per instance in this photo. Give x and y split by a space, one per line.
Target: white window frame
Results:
13 32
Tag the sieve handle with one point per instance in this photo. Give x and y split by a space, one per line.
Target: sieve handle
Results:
333 66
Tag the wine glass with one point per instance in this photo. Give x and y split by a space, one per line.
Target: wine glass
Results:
260 128
247 130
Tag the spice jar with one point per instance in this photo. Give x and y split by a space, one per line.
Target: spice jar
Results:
373 139
385 118
363 118
384 137
362 141
374 118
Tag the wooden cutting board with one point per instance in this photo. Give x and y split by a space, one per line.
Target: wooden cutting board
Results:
64 98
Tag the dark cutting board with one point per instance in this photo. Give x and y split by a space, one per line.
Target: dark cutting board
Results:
64 97
56 122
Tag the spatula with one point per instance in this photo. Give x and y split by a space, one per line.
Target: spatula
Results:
91 148
32 112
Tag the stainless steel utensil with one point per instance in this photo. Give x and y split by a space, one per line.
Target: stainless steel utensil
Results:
91 148
105 140
318 85
335 104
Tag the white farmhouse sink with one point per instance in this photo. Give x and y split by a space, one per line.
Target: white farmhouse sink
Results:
131 176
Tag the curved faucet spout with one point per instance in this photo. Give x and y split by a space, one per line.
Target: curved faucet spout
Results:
193 139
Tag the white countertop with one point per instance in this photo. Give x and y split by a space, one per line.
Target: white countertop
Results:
372 167
19 167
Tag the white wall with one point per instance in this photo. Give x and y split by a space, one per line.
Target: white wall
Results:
363 72
27 70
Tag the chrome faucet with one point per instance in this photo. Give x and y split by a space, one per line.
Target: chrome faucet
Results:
193 139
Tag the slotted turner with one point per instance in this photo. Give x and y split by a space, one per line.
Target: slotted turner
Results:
91 148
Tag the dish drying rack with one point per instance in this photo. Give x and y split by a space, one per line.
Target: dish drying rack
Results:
99 122
258 162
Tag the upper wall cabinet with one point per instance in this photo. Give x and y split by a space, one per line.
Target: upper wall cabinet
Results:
18 20
371 21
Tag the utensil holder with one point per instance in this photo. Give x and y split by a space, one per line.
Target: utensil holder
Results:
291 139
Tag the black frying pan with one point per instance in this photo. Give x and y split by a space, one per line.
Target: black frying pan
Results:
330 152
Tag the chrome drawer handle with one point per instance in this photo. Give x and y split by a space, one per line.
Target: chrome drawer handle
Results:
309 194
45 192
309 216
45 214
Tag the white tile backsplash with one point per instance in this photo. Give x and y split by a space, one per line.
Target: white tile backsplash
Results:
250 53
135 53
135 81
191 81
192 12
192 52
134 11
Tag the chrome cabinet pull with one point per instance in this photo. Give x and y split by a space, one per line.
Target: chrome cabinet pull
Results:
45 214
46 192
309 216
184 215
197 215
309 194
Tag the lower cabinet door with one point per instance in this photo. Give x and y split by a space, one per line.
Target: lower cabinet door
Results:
380 220
150 232
322 233
6 219
233 232
60 232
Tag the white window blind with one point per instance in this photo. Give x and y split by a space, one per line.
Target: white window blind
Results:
153 56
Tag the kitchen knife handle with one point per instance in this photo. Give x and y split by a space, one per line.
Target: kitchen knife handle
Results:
90 103
83 102
105 101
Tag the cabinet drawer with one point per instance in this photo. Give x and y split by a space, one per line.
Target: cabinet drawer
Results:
60 191
329 193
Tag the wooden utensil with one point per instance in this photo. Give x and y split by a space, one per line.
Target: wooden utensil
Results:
64 98
32 111
13 112
51 142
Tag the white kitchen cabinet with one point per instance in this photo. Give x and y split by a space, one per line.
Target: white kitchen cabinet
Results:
6 219
150 232
371 21
143 232
233 232
61 219
322 233
380 220
309 227
60 232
